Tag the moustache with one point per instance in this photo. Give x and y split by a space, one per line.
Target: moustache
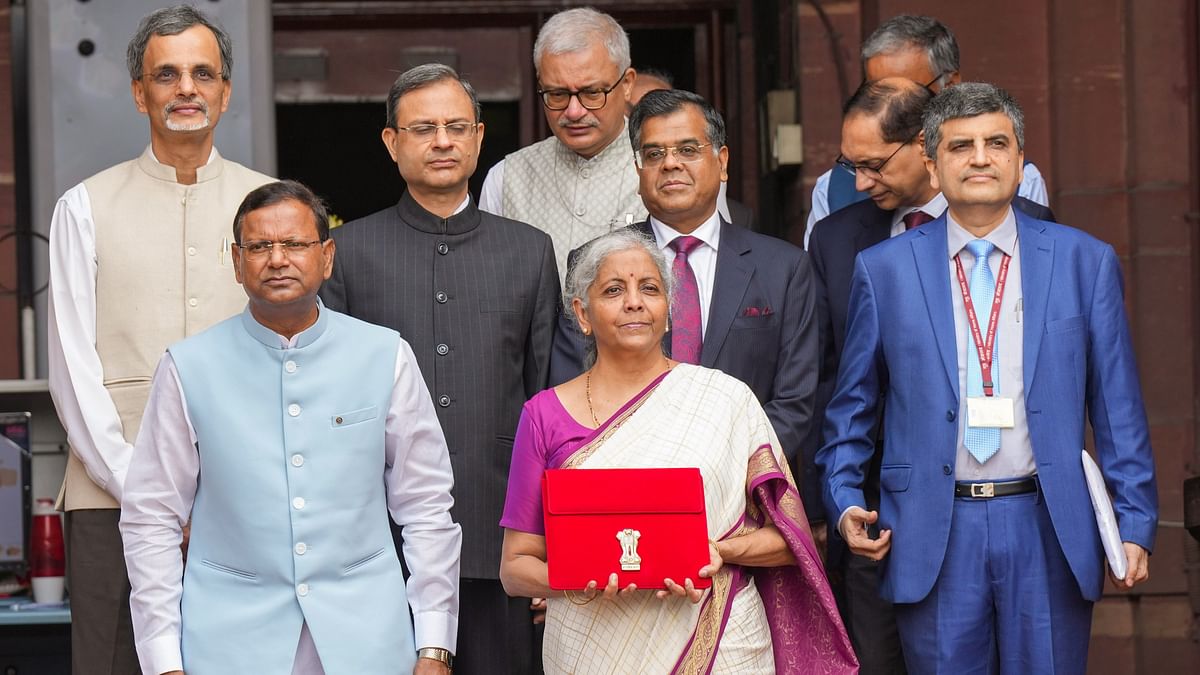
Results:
198 102
588 121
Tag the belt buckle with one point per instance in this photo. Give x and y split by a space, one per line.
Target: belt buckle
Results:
983 490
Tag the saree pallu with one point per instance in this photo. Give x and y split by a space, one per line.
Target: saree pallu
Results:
753 620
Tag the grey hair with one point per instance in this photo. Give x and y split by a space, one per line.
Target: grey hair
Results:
660 102
923 32
574 30
969 99
422 76
173 21
591 257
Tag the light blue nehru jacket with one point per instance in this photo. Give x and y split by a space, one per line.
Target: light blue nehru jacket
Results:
290 522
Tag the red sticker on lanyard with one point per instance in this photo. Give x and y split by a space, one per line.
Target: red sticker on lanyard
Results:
984 348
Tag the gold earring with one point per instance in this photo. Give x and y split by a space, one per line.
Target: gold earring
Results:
587 331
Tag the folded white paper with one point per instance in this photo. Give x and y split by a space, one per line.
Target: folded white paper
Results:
1106 520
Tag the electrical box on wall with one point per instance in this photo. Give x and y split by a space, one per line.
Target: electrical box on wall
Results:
784 133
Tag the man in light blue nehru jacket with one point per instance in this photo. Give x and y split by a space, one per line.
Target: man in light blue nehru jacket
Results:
289 433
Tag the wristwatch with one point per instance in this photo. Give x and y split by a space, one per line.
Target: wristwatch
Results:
437 654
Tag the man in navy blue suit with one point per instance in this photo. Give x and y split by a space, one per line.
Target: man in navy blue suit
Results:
989 545
752 294
881 152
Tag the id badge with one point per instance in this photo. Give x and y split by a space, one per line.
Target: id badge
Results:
990 411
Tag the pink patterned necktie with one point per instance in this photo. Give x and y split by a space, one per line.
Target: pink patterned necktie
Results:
686 338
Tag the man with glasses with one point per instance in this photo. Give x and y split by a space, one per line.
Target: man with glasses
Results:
581 182
139 258
476 295
985 344
288 434
882 151
745 301
923 50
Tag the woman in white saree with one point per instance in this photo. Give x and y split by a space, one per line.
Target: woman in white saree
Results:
770 608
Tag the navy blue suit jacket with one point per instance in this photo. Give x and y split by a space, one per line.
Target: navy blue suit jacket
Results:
1079 365
774 352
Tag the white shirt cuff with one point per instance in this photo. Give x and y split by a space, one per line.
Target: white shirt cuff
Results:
436 629
160 655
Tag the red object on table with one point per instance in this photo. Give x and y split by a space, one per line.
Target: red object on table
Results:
646 525
46 554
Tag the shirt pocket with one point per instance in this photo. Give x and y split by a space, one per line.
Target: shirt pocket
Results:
354 417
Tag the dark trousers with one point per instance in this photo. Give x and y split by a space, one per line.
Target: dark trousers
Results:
101 630
870 620
496 635
1005 600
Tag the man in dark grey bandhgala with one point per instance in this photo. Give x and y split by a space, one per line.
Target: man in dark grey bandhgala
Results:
476 295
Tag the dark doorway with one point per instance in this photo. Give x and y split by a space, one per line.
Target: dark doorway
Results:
335 148
667 49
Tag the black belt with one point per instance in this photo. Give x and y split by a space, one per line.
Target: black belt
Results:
989 490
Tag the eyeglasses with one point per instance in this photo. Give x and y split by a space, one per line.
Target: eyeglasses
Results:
257 250
655 156
457 131
202 76
590 99
873 172
929 85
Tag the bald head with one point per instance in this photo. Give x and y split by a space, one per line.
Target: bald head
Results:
897 102
880 139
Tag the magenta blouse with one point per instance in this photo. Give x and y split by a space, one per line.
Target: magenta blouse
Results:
546 436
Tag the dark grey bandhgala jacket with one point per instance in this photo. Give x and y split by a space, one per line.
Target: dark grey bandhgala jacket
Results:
476 296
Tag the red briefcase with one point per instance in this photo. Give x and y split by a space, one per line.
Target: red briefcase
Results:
646 525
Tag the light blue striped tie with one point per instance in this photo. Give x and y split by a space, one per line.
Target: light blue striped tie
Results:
981 442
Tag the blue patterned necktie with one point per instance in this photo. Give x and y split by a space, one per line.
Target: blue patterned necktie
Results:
981 442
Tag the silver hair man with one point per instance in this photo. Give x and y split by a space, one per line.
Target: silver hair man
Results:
970 99
922 32
173 21
574 30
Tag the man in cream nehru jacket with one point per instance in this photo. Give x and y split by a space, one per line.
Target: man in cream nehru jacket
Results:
138 260
581 182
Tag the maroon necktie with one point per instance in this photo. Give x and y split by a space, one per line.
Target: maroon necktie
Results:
916 219
686 338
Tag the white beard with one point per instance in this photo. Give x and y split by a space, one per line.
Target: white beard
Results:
185 126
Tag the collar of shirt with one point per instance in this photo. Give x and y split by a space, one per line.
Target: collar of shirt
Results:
274 340
150 164
464 219
934 207
211 155
709 232
1004 236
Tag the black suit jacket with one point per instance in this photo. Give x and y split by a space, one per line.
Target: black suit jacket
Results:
835 242
476 296
761 329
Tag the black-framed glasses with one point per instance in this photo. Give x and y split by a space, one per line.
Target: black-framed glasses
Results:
654 156
456 131
591 99
929 85
258 250
874 172
169 77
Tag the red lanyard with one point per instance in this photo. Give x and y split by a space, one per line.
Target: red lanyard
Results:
982 348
